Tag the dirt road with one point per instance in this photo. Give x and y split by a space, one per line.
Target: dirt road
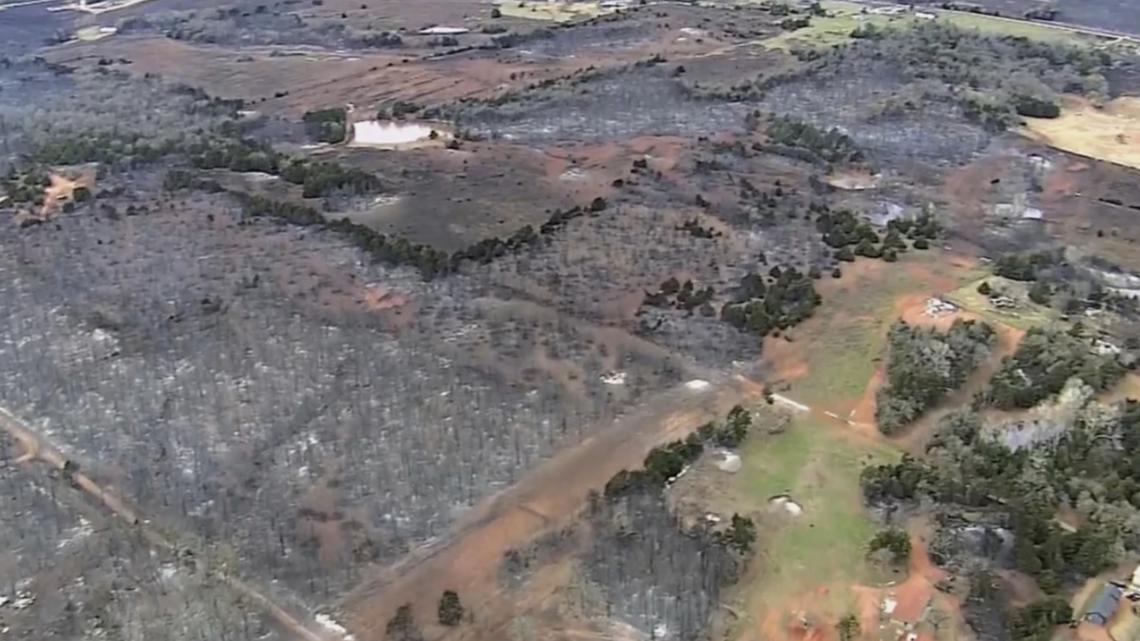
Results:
545 499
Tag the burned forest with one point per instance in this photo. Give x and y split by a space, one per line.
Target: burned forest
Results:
513 321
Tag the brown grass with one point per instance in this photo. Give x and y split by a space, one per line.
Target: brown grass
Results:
1110 133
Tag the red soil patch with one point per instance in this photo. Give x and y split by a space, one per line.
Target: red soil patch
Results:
864 410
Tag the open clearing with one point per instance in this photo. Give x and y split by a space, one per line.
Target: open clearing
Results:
1110 133
848 334
812 564
845 17
552 11
1026 315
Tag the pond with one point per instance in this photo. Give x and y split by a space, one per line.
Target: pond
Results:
392 133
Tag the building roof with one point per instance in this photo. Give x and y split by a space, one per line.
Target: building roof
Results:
1104 605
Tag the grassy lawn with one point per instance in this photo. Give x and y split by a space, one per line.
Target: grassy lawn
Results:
1010 27
845 17
1026 316
849 333
819 467
551 11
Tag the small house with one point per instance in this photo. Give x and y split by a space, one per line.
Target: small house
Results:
1103 607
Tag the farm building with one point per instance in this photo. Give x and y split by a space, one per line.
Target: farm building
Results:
1103 607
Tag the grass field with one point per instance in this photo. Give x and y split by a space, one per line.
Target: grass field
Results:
819 466
811 564
845 17
1026 316
552 11
842 343
1111 133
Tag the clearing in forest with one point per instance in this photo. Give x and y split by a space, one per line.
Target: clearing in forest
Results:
552 11
1110 133
845 17
1024 315
835 351
811 563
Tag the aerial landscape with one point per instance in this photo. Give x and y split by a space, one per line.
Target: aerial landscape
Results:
472 320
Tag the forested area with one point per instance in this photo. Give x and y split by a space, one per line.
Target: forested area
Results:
1072 288
924 364
260 25
656 573
995 80
806 141
1083 455
1044 361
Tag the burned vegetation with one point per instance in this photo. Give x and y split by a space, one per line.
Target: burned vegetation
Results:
267 377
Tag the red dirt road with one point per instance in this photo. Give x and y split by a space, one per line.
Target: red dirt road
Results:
546 498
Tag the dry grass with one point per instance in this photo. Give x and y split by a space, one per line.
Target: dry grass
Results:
1111 133
552 11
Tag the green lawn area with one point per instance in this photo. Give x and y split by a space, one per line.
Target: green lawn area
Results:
850 332
1011 27
819 467
551 11
845 17
1026 316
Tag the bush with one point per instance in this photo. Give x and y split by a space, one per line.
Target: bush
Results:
894 541
450 609
326 125
1034 107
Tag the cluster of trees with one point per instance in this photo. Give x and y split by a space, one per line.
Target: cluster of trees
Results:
814 144
1027 267
892 541
695 229
924 364
103 147
391 250
1060 284
317 179
1044 362
326 125
786 299
1093 466
851 237
686 296
28 186
260 25
667 461
1037 620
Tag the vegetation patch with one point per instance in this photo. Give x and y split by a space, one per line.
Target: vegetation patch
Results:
1044 361
923 364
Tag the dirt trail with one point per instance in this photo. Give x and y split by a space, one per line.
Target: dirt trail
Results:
38 449
545 499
